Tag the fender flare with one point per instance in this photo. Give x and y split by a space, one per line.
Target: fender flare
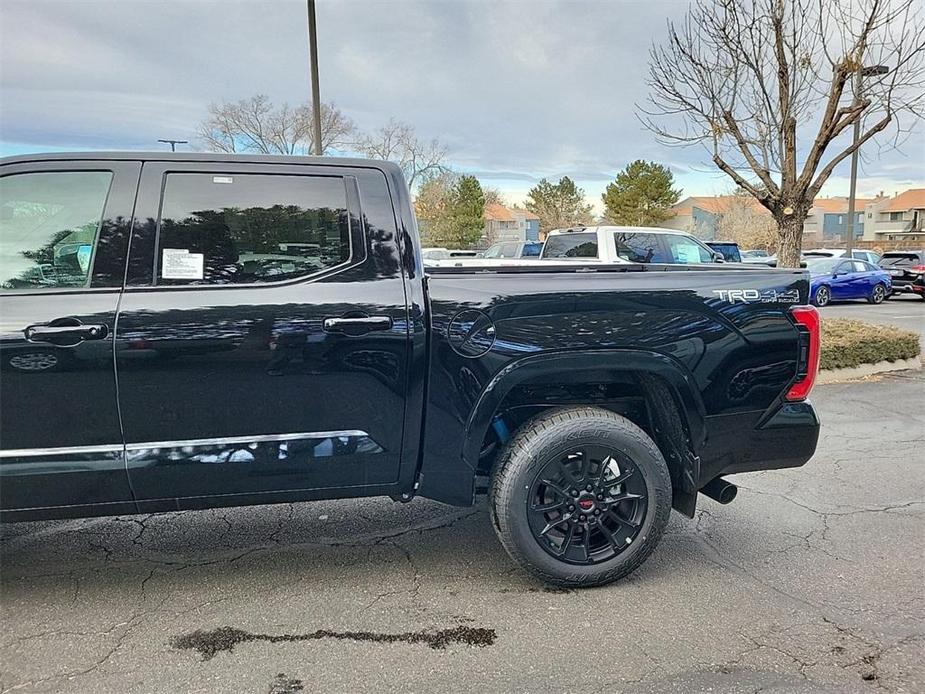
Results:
542 366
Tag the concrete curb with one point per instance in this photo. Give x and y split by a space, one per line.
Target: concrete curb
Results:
837 375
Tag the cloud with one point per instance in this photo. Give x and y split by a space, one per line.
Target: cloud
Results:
517 90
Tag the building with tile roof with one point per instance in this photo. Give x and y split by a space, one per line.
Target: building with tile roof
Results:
897 218
509 224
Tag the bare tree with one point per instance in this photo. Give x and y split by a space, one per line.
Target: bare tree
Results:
745 222
766 87
255 124
396 141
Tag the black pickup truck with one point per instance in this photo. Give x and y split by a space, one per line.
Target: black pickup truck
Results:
194 331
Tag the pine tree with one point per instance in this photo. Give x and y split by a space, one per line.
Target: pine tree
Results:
642 195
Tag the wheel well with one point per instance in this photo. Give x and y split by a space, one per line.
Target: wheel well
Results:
645 399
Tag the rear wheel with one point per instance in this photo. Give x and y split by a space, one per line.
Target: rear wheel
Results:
823 296
877 294
580 496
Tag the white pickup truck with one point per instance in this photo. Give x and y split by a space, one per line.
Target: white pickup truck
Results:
607 245
616 244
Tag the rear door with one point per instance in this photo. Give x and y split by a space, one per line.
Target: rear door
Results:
64 230
262 343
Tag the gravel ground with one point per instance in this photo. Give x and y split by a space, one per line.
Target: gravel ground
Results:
811 581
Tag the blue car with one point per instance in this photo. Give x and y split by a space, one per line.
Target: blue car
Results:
839 279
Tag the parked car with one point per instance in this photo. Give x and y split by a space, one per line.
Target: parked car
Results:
907 271
502 253
838 279
868 256
728 249
616 244
431 255
589 398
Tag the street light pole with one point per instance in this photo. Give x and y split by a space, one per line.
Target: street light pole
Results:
316 91
858 86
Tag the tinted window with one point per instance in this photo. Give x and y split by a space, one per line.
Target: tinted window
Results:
493 251
508 250
729 251
574 245
900 260
844 267
639 248
244 228
532 250
685 250
49 224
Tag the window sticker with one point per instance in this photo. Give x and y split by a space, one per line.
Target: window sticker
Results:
180 264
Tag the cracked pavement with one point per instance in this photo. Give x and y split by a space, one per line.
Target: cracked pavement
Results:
812 580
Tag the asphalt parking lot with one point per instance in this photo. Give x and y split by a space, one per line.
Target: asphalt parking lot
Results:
812 580
904 311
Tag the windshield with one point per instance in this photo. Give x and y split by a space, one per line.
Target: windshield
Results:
900 259
822 264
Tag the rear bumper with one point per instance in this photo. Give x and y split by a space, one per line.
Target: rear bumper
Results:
787 439
749 442
907 287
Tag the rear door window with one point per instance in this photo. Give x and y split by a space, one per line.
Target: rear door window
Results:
639 247
571 245
250 228
684 250
532 250
49 227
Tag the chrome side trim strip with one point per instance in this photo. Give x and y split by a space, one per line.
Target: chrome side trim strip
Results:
118 448
65 450
259 438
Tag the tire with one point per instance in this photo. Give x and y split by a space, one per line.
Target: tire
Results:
581 447
877 294
823 296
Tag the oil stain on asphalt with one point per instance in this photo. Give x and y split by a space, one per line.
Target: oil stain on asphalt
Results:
209 643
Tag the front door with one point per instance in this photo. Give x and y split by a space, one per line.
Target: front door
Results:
63 237
262 341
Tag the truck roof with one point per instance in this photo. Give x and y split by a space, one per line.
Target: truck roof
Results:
612 227
203 156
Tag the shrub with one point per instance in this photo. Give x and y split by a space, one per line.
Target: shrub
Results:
847 343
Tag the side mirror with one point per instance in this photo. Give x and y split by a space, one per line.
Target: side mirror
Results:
718 258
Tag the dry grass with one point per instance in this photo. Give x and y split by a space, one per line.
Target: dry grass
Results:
847 343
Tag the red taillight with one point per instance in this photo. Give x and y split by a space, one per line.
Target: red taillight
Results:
807 319
918 268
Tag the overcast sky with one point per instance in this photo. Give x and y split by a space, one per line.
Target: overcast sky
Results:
516 90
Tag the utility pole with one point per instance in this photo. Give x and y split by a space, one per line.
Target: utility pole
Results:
316 91
173 143
858 86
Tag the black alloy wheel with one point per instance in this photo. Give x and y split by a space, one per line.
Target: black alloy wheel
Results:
580 496
587 506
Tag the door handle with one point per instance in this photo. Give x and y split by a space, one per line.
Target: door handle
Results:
356 325
65 332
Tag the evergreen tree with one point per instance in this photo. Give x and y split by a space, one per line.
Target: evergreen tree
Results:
461 224
558 206
642 195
